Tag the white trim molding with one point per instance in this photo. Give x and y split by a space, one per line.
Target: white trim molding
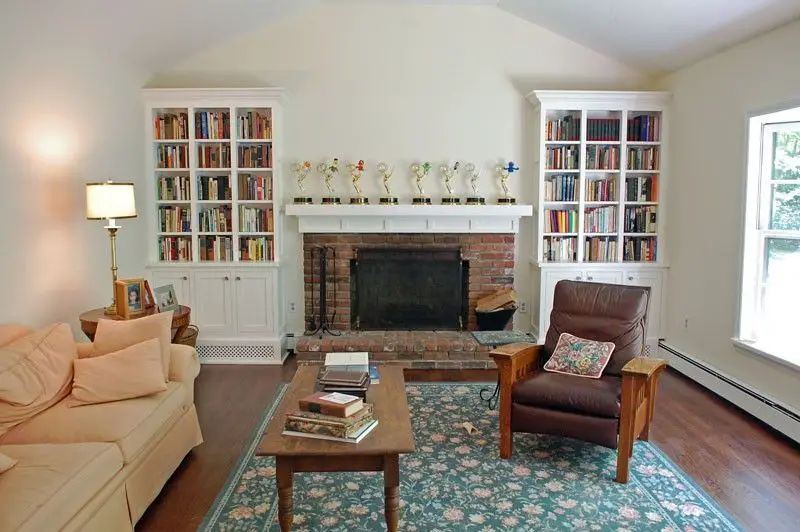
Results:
760 405
409 218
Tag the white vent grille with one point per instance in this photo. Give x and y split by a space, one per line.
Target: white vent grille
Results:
241 354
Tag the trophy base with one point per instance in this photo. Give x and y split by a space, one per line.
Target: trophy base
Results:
389 200
476 200
421 201
331 200
451 201
303 200
506 201
360 200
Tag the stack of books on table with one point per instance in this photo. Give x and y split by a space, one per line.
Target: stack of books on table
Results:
354 383
331 416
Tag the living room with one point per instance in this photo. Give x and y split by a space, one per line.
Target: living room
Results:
405 82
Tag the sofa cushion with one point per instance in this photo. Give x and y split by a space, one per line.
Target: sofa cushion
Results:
131 372
6 463
113 335
35 373
51 483
11 331
131 424
594 397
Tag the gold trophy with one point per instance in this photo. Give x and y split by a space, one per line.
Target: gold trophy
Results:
475 198
302 169
329 169
386 174
448 172
420 171
504 172
356 169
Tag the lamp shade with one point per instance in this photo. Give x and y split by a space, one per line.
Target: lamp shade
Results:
110 200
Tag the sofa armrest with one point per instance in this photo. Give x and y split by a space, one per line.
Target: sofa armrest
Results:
85 349
184 364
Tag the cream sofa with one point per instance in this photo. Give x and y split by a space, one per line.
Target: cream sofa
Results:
97 467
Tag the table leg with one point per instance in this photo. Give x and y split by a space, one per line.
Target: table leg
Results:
284 479
391 490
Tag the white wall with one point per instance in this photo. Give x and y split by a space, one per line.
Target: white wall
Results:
70 116
399 83
710 102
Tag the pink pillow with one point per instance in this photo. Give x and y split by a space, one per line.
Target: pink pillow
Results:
131 372
113 335
35 373
579 357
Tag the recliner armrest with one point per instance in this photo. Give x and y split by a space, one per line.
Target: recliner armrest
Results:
514 361
184 364
643 367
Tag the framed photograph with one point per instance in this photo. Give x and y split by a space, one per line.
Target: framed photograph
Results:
149 300
131 294
166 299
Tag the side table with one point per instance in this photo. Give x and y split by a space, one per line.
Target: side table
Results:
180 320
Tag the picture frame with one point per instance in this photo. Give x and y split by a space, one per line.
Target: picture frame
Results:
150 300
131 297
166 299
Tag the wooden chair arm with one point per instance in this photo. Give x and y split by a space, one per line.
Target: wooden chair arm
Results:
514 361
643 367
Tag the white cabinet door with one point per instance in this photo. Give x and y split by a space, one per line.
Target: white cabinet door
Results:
654 280
255 301
181 281
603 276
548 288
212 310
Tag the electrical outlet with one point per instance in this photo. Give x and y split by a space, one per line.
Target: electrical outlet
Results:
292 307
523 307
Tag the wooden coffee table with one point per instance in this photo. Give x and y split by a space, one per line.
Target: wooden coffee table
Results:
379 451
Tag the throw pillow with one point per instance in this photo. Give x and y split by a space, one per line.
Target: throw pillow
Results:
6 463
113 335
131 372
579 356
35 373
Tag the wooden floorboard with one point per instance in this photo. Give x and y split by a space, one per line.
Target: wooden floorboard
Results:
752 472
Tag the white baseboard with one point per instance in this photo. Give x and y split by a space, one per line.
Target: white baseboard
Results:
760 405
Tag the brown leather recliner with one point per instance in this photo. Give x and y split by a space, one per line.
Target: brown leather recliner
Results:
611 411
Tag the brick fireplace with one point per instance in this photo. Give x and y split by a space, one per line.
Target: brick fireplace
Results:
490 258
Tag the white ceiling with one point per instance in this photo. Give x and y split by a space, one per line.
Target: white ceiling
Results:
653 36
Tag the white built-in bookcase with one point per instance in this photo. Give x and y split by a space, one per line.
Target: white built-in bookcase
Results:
600 181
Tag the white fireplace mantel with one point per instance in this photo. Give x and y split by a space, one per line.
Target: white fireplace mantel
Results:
409 218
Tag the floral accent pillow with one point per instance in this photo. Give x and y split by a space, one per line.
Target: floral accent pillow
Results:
579 357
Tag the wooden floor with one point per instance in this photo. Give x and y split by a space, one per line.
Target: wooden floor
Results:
749 470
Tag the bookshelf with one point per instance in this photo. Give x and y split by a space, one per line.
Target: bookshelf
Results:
213 158
600 189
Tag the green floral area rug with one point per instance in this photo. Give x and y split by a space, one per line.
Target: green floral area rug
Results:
457 482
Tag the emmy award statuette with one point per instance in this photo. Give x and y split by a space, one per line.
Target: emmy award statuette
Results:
329 169
504 172
386 175
302 169
356 169
420 171
448 172
474 174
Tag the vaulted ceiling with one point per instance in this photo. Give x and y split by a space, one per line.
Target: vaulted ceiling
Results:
653 36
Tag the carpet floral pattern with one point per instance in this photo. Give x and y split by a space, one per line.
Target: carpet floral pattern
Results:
457 482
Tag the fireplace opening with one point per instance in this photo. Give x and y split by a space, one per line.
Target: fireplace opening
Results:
409 289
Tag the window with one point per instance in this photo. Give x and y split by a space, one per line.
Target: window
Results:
770 300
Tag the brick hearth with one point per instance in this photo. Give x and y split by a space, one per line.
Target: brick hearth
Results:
413 349
491 267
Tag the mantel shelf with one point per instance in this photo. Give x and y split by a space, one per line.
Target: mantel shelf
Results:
409 218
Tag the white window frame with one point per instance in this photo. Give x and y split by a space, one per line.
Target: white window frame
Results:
758 185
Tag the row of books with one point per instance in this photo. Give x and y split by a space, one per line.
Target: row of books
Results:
215 248
255 220
643 158
560 188
212 125
214 187
174 220
602 129
171 126
600 249
602 157
639 249
560 221
256 248
641 128
601 189
169 156
255 156
645 128
559 249
175 248
562 158
255 187
214 156
255 125
644 188
215 220
174 188
640 219
600 219
567 128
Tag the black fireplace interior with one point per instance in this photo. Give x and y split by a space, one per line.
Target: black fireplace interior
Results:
408 289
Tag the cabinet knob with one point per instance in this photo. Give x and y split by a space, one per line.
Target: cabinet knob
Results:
630 277
238 278
227 278
589 278
185 278
578 278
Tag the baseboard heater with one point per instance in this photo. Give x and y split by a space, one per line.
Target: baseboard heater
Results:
762 407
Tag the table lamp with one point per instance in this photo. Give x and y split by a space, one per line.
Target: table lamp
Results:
110 201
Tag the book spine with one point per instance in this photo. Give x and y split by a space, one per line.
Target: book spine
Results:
319 408
320 427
